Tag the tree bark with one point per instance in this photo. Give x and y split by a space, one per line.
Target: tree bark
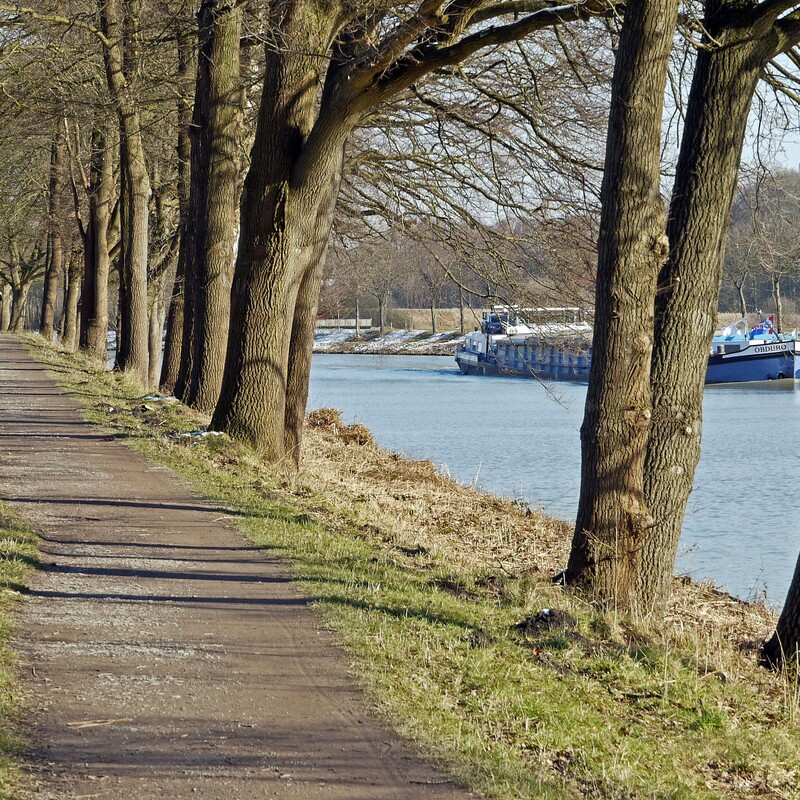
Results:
305 315
215 160
613 517
5 306
783 647
776 295
157 312
737 48
170 366
94 300
289 182
55 246
118 25
19 306
71 314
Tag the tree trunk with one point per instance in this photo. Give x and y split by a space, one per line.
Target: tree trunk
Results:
612 514
157 312
742 301
94 301
726 74
69 336
381 314
55 247
433 316
119 57
215 160
134 350
19 305
776 296
5 306
783 647
173 342
305 317
462 325
358 319
290 180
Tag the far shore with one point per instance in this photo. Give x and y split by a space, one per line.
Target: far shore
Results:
390 342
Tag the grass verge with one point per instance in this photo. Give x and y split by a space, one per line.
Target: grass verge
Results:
443 596
18 555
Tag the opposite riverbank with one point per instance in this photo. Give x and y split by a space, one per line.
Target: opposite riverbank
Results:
419 341
393 342
443 598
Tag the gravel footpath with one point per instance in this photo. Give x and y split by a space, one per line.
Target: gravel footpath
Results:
162 654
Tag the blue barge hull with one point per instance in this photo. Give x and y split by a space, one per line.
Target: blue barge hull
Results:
545 360
733 359
757 361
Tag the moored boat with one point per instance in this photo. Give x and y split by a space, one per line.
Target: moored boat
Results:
554 344
741 356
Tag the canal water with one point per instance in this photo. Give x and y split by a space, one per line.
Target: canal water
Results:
518 438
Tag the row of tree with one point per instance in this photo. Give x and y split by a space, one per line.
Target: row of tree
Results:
161 128
658 285
213 158
545 262
535 262
762 259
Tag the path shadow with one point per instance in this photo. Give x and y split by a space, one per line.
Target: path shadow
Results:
174 600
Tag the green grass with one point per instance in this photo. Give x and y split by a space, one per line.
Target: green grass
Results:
602 708
18 554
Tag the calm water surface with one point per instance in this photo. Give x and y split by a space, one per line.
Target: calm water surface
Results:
518 438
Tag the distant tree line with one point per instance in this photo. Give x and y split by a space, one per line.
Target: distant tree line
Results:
762 258
536 263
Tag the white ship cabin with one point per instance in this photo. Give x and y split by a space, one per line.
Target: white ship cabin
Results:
550 321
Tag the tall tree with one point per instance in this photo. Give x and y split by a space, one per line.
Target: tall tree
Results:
737 42
71 316
325 70
186 54
740 253
161 267
119 22
212 231
95 235
612 514
55 245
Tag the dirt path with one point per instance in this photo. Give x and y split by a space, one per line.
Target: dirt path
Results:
165 656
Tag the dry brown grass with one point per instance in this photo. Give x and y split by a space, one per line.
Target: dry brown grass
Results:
790 319
409 504
413 506
447 319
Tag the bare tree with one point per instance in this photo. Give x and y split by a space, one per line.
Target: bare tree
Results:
324 72
213 227
186 52
612 514
646 481
55 244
